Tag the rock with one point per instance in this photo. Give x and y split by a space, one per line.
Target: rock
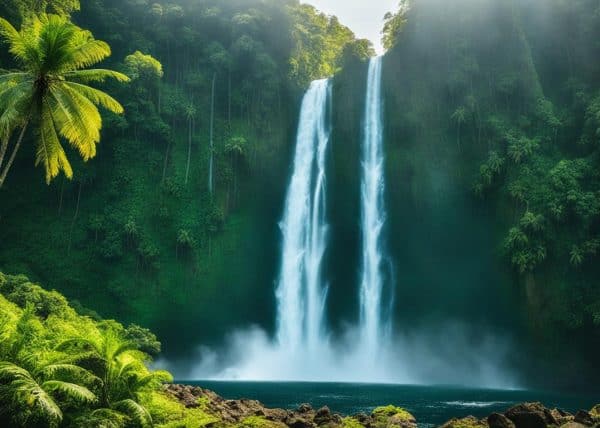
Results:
468 422
362 418
572 424
391 417
595 412
584 418
304 408
300 423
323 416
497 420
530 415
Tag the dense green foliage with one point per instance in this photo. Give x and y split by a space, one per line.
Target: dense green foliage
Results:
61 368
212 83
492 113
502 98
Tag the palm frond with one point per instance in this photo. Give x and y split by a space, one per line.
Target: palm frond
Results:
76 118
10 370
53 43
76 342
95 75
76 392
101 418
87 53
135 411
51 371
21 390
49 152
96 96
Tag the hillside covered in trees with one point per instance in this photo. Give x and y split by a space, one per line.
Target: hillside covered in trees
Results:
492 137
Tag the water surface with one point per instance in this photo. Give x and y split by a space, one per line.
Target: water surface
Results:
431 405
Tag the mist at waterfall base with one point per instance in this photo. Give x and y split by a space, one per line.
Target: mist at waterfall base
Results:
304 347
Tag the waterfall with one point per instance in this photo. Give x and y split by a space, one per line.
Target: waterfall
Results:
300 292
374 324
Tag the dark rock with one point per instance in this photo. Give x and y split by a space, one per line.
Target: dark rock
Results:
305 408
584 418
323 416
300 423
362 418
530 415
497 420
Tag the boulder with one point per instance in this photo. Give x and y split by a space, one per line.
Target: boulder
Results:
572 424
299 423
468 422
304 408
584 418
497 420
391 417
530 415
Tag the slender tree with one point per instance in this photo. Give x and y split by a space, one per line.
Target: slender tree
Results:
50 92
190 113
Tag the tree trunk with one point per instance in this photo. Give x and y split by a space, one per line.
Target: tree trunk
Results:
13 154
189 156
229 100
3 147
212 124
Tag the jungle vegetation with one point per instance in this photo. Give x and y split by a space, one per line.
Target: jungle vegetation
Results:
497 102
65 367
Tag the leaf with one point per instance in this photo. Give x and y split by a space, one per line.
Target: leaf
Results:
135 411
77 392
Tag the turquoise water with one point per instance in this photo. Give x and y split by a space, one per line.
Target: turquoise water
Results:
431 405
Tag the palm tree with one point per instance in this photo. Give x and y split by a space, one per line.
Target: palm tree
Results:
118 363
236 149
50 92
459 116
33 397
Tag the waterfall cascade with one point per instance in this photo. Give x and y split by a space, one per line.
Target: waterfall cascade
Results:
301 292
302 349
375 326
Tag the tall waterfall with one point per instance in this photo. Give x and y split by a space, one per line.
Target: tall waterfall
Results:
301 293
374 324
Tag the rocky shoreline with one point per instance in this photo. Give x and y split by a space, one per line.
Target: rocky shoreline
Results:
246 413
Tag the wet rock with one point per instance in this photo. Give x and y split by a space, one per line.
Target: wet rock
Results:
497 420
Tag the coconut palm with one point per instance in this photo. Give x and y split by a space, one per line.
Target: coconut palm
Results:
50 92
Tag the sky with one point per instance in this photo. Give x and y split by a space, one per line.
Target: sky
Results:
364 17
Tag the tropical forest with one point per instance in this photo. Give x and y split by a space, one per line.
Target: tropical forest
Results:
300 214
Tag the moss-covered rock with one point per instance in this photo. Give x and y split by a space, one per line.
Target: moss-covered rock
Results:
351 422
259 422
468 422
392 417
